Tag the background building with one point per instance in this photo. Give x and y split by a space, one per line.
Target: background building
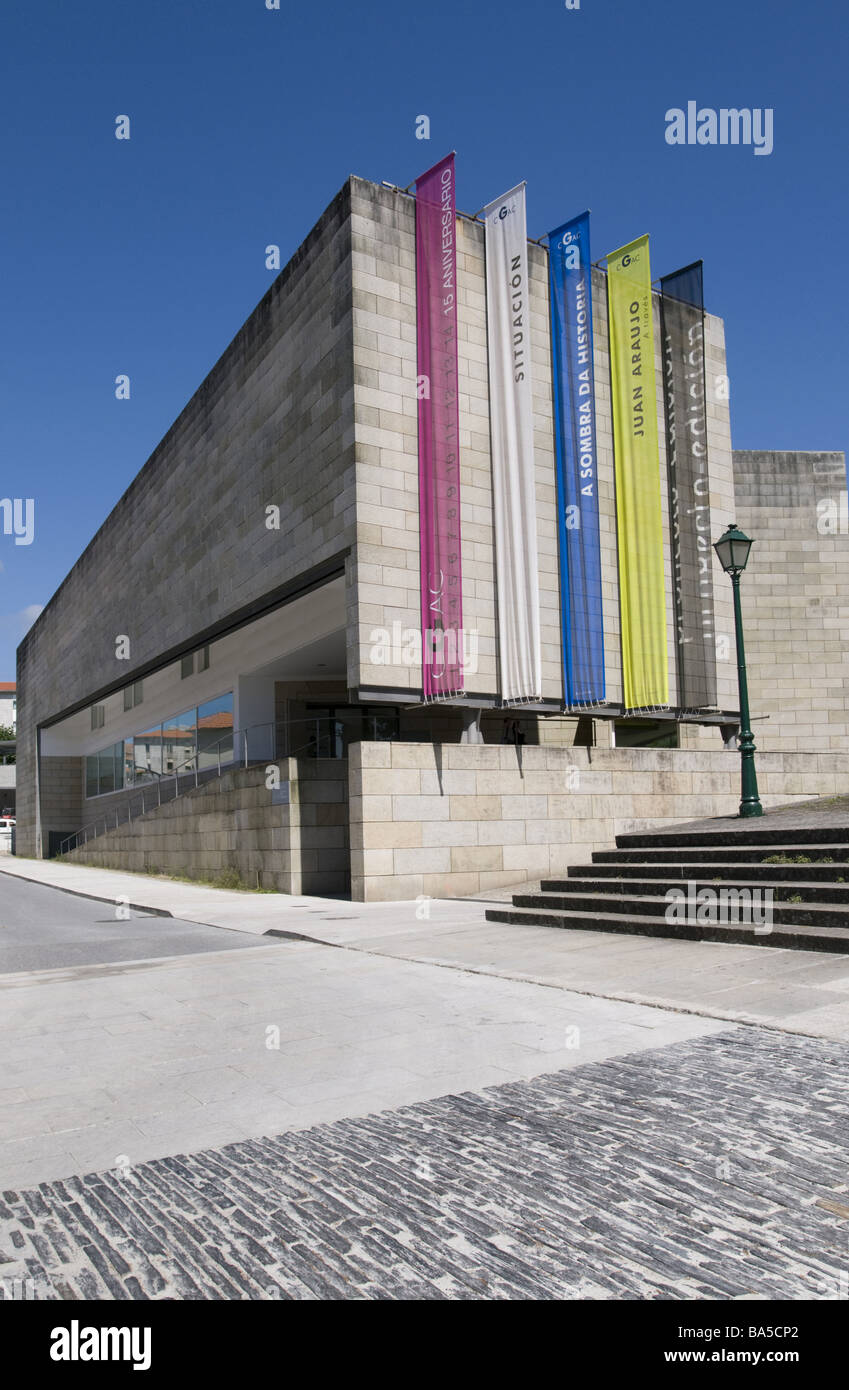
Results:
8 769
8 705
225 616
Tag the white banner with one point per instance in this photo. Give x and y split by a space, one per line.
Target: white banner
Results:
511 430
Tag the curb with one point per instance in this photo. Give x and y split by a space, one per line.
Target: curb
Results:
92 897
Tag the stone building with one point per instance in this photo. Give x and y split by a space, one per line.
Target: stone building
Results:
222 622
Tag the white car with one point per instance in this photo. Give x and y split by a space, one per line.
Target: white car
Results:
6 823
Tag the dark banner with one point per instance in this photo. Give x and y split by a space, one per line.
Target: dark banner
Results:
683 334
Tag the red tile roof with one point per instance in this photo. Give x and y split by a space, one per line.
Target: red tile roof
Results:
8 685
222 720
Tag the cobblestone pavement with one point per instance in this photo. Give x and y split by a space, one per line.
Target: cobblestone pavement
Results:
713 1168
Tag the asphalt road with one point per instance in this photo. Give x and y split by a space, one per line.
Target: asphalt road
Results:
44 929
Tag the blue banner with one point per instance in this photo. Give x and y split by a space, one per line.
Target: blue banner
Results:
577 474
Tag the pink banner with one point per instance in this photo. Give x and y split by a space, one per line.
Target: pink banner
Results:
439 446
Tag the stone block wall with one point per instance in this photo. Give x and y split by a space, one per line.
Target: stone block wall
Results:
232 824
795 597
317 856
61 798
454 820
187 548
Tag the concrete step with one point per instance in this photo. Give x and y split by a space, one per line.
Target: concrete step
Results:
800 938
742 854
624 890
825 892
675 872
825 916
732 835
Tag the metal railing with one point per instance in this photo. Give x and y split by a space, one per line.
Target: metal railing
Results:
258 743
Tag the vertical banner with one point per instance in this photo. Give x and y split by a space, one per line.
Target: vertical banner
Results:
642 599
682 311
512 437
570 277
439 445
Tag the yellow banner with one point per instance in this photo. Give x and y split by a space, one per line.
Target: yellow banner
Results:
639 529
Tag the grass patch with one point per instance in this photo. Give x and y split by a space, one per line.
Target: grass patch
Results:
229 878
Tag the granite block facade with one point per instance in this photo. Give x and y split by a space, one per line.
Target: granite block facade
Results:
187 546
795 596
452 820
312 410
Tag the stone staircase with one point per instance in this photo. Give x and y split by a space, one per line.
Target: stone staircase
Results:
706 885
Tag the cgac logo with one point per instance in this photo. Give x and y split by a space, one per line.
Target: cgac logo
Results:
571 252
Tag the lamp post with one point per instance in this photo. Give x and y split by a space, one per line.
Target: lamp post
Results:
733 548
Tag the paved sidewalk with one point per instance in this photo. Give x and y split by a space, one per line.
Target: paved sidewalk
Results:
814 814
567 1140
146 1059
801 991
711 1169
796 991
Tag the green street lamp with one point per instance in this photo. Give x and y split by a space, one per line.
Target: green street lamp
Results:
733 548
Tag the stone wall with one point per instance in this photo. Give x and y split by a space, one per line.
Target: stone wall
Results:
61 799
444 819
232 824
795 597
187 550
456 819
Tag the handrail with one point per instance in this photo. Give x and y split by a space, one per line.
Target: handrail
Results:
161 776
103 823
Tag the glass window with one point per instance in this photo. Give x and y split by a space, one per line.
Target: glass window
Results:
203 734
203 659
321 733
331 730
645 733
106 764
104 771
380 723
138 692
187 666
129 766
147 755
178 743
215 731
128 697
346 728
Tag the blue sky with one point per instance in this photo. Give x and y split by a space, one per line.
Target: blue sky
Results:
146 256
